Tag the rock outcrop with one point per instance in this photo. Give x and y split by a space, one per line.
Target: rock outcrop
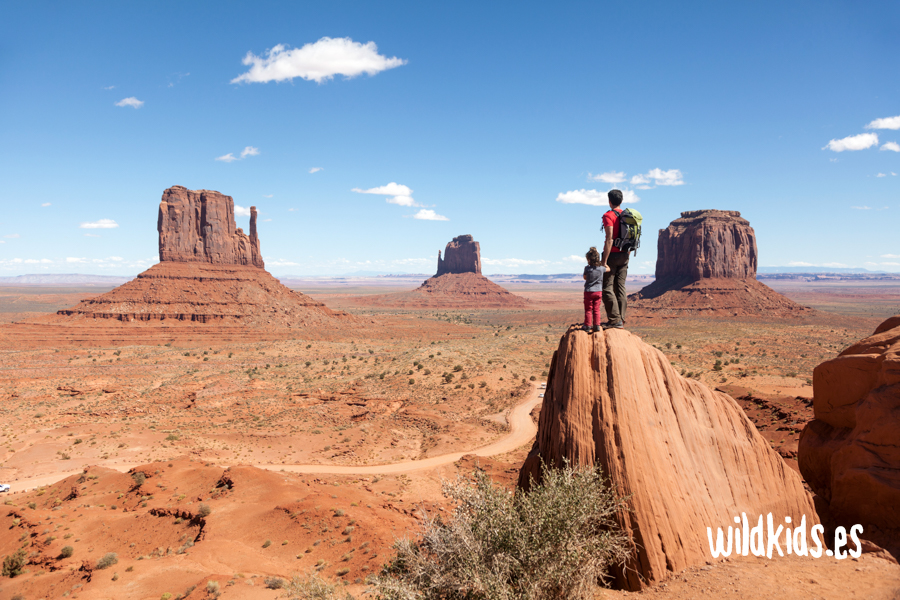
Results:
462 255
458 283
849 453
198 226
687 457
209 272
706 264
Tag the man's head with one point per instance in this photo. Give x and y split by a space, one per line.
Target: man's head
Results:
615 198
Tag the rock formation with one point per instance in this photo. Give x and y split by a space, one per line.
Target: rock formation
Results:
462 255
198 226
849 453
706 264
686 456
458 283
209 272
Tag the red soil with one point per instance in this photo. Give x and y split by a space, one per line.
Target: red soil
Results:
451 290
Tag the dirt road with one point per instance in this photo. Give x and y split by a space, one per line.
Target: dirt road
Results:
522 430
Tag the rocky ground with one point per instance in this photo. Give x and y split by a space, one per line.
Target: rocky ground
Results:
422 383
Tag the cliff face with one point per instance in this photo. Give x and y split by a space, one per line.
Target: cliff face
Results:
198 226
686 455
462 255
705 244
850 453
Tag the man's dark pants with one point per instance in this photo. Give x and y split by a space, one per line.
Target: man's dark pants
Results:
614 299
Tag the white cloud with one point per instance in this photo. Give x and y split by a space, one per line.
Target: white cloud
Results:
853 142
240 211
315 170
2 241
429 215
291 209
249 151
670 177
403 201
391 189
610 177
891 264
101 224
110 87
45 204
795 263
130 101
881 175
319 61
834 264
861 207
639 179
574 258
890 256
594 198
12 236
268 195
280 263
72 259
227 157
116 258
887 123
892 146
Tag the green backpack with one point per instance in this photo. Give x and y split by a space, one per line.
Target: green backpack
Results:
629 237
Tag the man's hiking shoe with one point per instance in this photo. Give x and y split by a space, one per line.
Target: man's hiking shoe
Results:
617 325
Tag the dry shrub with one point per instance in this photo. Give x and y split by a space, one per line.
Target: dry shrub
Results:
312 587
15 562
108 560
556 541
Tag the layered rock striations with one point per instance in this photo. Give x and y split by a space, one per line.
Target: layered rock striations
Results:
706 264
849 453
209 272
458 283
198 226
686 456
462 255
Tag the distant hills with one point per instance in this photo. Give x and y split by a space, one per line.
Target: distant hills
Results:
65 279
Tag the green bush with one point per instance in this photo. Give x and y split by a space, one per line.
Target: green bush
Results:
553 542
67 551
204 510
312 587
14 563
139 478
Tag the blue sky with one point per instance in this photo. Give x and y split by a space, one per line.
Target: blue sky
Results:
501 118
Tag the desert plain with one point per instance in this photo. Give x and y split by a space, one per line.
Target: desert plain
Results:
200 458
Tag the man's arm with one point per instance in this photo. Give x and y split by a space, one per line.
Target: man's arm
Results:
607 246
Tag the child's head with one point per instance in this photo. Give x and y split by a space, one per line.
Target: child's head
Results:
593 257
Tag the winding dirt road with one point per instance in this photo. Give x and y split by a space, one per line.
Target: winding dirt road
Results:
522 430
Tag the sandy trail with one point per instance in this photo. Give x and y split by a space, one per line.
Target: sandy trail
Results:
522 430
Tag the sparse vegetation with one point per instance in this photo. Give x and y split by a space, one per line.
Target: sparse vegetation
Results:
66 552
108 560
14 563
311 586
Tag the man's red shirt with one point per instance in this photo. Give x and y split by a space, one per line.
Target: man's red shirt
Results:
611 219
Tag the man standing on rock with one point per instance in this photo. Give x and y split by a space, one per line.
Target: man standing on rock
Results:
616 264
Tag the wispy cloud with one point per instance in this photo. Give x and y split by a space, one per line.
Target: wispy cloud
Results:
240 211
247 151
886 123
594 198
890 256
319 62
861 207
45 204
426 214
99 224
853 142
315 170
610 177
110 87
881 175
267 195
670 177
796 263
130 101
514 262
12 236
178 78
892 146
74 259
398 193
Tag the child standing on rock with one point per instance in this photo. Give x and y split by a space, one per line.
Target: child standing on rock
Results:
593 291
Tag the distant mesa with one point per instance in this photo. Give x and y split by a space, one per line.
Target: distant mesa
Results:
685 456
706 264
458 283
210 271
849 453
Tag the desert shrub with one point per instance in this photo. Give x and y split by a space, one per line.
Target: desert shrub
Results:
267 543
311 586
108 560
275 583
67 551
204 510
212 587
553 542
14 563
139 478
